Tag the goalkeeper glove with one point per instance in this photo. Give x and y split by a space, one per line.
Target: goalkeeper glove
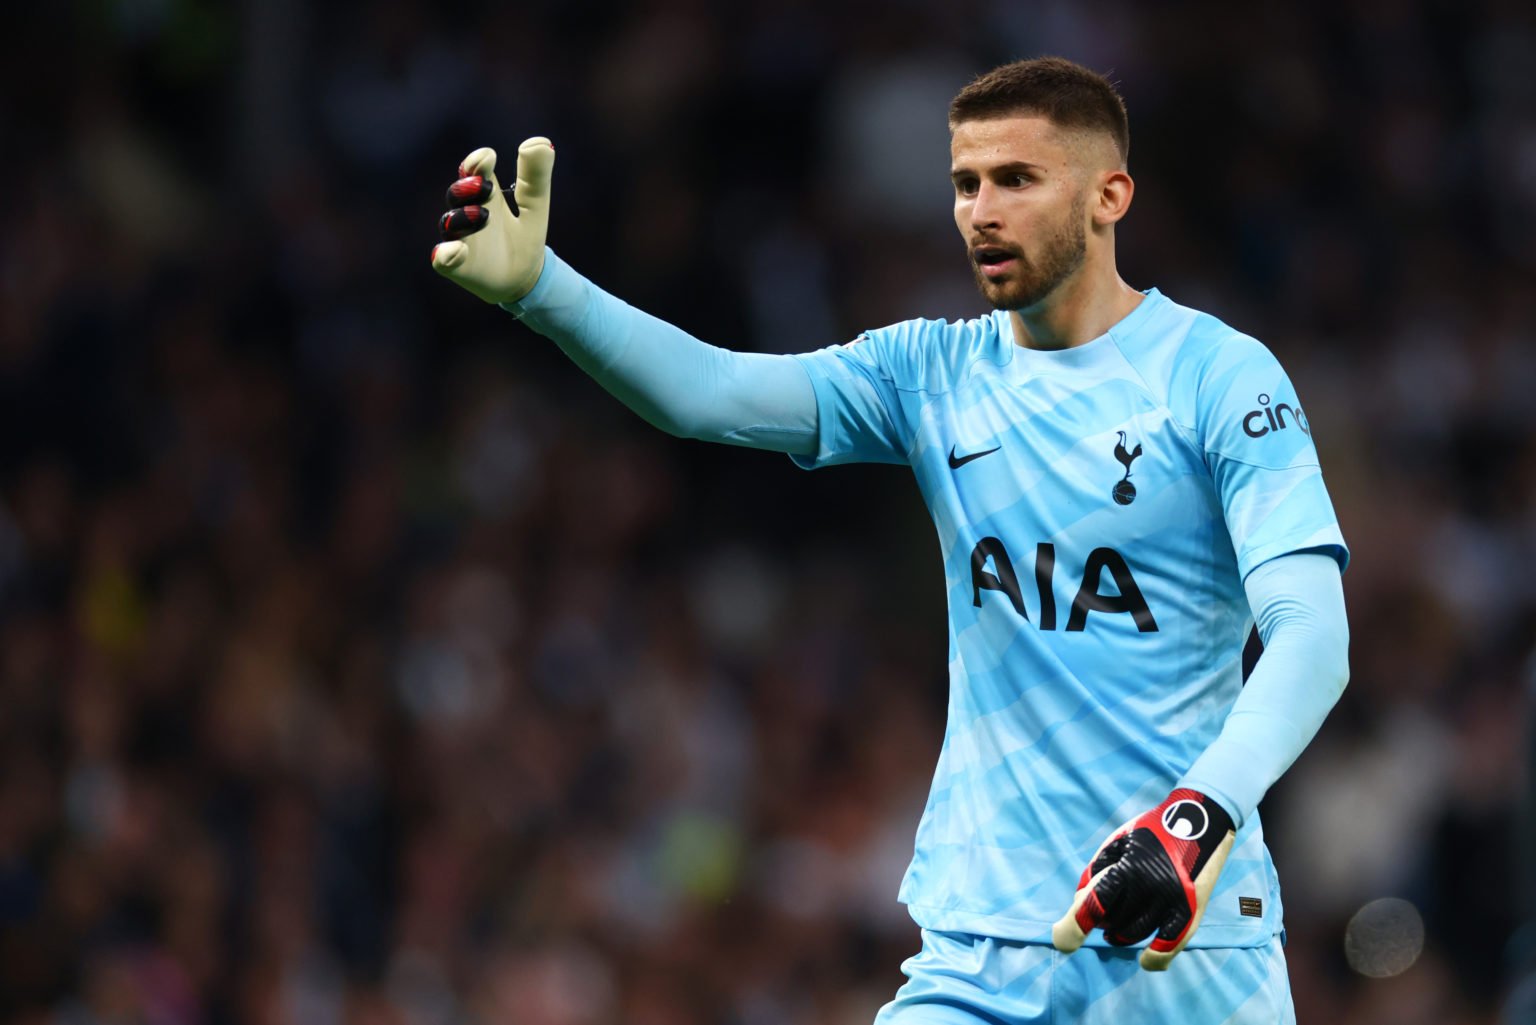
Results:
1156 872
494 238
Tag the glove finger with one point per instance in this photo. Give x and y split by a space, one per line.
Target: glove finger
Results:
1111 851
1170 939
471 191
1091 905
535 169
481 161
1173 927
449 256
1154 960
1094 890
462 222
1068 934
1131 925
1109 891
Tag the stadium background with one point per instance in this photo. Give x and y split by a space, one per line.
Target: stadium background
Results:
360 662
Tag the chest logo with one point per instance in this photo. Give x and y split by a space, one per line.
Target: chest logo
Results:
1125 492
955 462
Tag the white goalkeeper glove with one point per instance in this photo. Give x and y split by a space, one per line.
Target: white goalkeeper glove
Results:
494 239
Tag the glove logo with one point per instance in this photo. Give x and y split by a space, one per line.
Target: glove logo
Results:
1186 820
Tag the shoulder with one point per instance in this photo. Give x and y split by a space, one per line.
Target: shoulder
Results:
1199 344
1216 350
933 355
1191 358
1240 400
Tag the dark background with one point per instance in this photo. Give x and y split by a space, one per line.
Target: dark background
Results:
361 662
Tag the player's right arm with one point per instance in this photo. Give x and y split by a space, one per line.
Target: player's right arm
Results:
497 251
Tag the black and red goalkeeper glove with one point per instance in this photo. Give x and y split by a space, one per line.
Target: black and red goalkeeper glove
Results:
1155 873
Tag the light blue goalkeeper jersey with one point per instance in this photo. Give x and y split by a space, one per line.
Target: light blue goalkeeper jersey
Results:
1097 508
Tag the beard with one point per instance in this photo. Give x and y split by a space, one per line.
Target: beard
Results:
1061 254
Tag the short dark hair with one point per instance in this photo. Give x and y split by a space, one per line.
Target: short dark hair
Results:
1063 91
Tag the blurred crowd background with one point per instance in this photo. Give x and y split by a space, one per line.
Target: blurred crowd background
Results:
361 662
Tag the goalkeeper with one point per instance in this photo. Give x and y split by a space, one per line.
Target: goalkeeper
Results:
1121 485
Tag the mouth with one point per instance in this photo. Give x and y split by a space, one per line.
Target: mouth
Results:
994 261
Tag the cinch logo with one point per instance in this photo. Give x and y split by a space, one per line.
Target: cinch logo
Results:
1254 422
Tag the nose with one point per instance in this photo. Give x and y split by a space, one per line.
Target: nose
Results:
983 208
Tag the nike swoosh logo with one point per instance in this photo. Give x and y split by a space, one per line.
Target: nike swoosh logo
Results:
955 464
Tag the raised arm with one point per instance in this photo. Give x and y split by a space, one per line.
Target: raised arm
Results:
495 249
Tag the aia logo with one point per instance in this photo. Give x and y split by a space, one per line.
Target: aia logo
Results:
1125 492
1261 421
1126 596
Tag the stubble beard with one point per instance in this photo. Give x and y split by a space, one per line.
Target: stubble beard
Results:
1061 254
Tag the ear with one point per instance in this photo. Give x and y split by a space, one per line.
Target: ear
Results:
1113 198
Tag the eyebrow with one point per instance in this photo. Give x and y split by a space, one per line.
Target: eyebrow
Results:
1009 168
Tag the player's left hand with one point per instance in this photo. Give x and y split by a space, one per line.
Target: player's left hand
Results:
1155 873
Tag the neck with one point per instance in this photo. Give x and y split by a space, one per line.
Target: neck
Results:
1081 308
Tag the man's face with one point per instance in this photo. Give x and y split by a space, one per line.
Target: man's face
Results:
1020 205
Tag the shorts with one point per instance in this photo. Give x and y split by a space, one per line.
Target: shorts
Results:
960 979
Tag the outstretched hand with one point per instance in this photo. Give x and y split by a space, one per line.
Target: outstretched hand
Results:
494 238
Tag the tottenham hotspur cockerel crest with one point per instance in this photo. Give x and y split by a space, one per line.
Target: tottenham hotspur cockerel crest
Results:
1125 491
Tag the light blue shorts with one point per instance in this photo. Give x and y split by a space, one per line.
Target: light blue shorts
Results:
960 979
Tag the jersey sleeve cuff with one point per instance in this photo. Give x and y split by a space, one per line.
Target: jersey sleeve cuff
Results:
1327 541
1228 804
822 456
556 285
